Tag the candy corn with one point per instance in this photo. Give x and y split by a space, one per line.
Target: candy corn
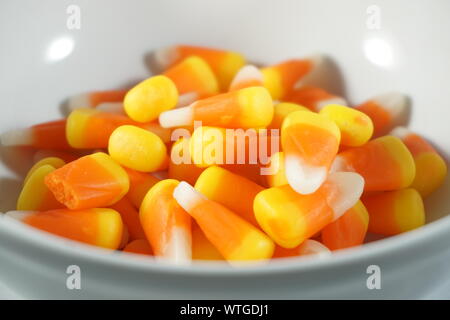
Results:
314 98
310 142
91 128
246 108
276 176
215 182
225 64
202 248
139 246
281 78
125 238
181 167
290 218
145 101
236 239
166 225
347 231
95 98
65 156
137 149
252 172
130 218
111 107
247 76
227 190
49 135
356 127
140 183
431 168
281 111
193 75
308 247
235 149
386 111
52 161
35 195
90 182
385 163
98 227
394 212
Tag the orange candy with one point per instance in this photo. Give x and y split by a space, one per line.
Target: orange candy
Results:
310 142
385 163
431 168
35 195
95 98
224 63
181 167
140 183
394 212
215 183
167 226
314 98
281 78
55 162
277 174
347 231
90 128
385 110
202 248
45 153
48 135
236 239
139 246
98 227
248 76
245 108
130 217
290 218
193 75
90 182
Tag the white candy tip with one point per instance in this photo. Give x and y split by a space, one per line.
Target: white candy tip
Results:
313 247
186 99
17 137
303 178
349 187
186 196
246 73
317 59
394 102
164 57
179 249
176 117
339 164
336 100
19 215
111 107
79 101
400 132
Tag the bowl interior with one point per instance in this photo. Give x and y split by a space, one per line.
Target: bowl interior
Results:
373 48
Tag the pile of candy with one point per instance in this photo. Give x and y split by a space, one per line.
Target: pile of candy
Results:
174 183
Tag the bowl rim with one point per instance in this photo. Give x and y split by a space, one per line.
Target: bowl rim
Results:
52 244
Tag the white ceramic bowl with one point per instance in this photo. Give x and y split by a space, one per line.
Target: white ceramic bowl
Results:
42 62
